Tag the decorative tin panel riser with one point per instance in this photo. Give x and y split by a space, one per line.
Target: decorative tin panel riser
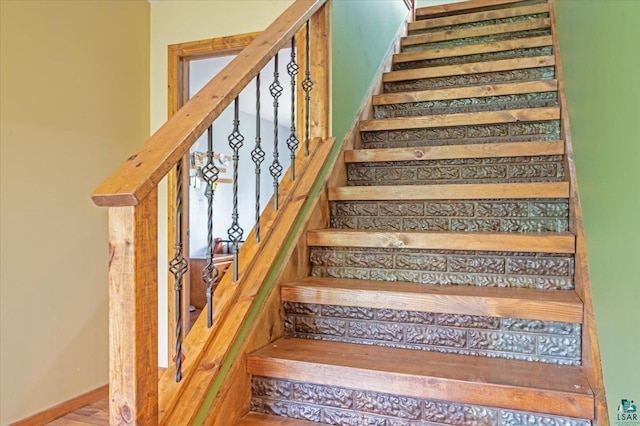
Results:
509 338
476 40
514 19
485 170
445 267
352 407
536 215
457 106
542 73
460 135
455 60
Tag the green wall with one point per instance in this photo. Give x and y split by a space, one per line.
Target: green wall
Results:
599 44
362 32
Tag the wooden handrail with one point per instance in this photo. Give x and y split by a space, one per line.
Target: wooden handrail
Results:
142 171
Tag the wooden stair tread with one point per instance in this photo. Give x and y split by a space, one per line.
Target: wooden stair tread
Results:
462 119
467 92
435 37
469 68
520 385
258 419
547 242
469 191
449 152
466 18
523 303
473 49
428 11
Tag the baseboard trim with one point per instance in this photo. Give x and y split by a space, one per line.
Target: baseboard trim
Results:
64 408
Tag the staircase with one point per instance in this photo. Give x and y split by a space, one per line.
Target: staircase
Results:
444 291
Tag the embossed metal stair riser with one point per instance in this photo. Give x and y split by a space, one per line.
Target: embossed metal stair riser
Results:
433 172
446 267
292 140
275 168
471 79
210 273
491 133
476 40
178 267
508 20
456 60
509 338
235 231
455 216
342 406
456 106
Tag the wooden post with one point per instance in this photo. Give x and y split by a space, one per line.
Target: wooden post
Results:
133 313
319 33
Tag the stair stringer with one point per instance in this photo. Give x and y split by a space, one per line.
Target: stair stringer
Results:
591 359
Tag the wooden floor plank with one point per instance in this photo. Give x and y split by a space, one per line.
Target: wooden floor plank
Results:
473 49
448 35
469 68
446 152
478 17
556 242
256 419
518 385
533 304
467 92
461 119
429 11
471 191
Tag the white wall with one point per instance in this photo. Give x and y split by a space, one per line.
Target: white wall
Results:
178 21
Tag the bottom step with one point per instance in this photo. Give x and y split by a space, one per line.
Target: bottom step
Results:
504 384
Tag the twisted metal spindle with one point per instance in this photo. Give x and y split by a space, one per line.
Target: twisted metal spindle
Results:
178 267
307 85
210 175
292 141
235 232
276 168
258 155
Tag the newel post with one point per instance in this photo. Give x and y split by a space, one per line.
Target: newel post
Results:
133 313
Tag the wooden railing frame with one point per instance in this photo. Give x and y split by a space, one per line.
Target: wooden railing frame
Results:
591 361
136 397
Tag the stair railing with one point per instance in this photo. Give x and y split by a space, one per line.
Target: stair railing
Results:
131 194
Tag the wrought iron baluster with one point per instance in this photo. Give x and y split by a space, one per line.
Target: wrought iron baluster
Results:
235 232
276 168
210 175
178 266
258 155
292 141
307 85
